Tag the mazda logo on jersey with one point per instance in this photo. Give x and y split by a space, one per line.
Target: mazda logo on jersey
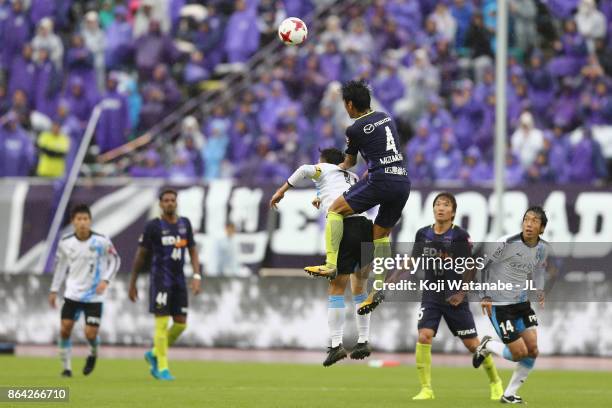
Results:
369 128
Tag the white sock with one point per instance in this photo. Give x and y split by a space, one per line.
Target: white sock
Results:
363 321
65 350
500 349
520 375
335 319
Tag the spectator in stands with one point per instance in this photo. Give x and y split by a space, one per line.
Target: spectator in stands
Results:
591 23
150 166
540 170
462 11
5 101
47 84
70 126
182 168
445 59
419 168
17 155
215 149
21 107
95 40
53 146
515 174
423 141
208 40
420 80
467 113
564 108
446 25
46 38
41 9
541 85
524 13
16 33
387 85
152 49
604 55
571 52
114 124
478 41
527 141
118 40
437 116
407 13
333 30
358 38
331 62
586 160
559 149
475 169
23 73
79 104
195 71
134 101
597 106
241 34
80 64
148 12
447 160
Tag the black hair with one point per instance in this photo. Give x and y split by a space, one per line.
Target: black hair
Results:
332 155
450 197
539 211
357 92
80 209
167 191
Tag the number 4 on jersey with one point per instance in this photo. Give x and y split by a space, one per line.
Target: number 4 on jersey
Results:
390 140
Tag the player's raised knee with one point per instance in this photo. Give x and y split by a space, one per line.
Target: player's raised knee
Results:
533 352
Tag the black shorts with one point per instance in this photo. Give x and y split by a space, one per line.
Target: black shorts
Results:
71 310
357 230
168 301
390 195
459 319
511 320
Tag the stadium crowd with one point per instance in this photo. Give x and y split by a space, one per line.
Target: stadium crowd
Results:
430 64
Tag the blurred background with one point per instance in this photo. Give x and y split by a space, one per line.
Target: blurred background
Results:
106 102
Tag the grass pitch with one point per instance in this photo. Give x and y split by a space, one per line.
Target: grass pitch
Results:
127 383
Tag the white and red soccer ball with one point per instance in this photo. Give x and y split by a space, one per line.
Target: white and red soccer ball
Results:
292 31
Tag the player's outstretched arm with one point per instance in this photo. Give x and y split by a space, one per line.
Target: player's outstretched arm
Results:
279 195
306 171
139 263
349 161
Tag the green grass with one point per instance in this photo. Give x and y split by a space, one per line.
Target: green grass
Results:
126 383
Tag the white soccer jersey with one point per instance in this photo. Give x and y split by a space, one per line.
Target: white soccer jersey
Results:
510 260
330 180
86 263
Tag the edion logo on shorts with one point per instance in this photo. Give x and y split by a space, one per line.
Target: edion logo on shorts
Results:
92 320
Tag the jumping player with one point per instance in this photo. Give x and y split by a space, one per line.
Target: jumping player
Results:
515 260
331 181
165 240
88 262
373 134
445 239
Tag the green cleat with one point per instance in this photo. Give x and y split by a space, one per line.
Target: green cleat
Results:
424 394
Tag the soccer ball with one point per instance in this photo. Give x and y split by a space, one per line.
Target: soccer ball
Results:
292 31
